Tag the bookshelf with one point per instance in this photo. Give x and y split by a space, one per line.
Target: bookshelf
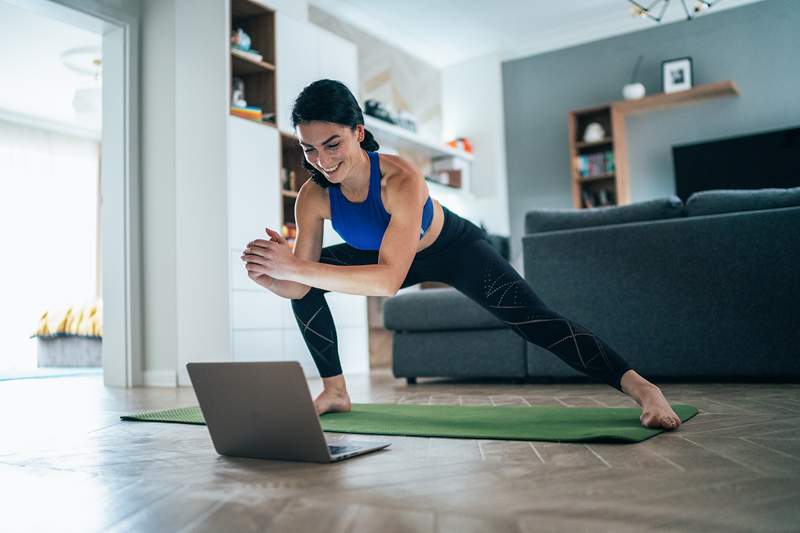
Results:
257 73
292 177
593 169
605 181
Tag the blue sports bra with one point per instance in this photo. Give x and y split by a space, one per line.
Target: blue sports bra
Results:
363 224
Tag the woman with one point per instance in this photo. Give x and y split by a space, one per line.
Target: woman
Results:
395 236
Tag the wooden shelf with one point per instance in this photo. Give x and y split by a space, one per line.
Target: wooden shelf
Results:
402 138
612 118
289 194
258 77
243 64
664 101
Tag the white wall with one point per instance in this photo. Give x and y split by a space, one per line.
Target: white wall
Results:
297 9
184 173
159 254
201 175
472 107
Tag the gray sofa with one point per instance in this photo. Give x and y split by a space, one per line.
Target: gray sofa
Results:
709 290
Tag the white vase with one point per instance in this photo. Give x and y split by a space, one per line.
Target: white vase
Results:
633 91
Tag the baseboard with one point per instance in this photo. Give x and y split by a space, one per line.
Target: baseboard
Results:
159 378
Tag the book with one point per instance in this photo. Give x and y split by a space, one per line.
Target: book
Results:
247 112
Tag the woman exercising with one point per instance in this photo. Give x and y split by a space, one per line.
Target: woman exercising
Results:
395 236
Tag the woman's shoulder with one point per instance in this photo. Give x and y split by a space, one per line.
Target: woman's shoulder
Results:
394 165
313 197
399 172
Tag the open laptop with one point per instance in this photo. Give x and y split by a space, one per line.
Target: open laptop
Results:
264 410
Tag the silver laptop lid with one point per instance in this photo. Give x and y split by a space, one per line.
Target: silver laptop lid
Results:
259 409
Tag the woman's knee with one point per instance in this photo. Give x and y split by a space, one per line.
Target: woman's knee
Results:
312 295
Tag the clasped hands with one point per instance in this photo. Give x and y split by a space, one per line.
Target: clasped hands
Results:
273 258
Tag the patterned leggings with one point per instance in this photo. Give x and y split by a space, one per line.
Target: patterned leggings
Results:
462 258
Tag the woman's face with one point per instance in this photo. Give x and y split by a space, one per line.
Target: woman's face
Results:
333 149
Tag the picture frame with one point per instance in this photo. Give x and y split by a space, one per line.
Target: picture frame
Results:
676 74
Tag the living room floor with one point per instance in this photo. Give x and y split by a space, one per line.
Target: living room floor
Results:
67 463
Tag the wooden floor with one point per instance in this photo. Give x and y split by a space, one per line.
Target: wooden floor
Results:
67 463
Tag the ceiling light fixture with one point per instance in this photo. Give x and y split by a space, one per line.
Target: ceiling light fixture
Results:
661 6
86 61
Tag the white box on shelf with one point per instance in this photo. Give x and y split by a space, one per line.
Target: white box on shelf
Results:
441 166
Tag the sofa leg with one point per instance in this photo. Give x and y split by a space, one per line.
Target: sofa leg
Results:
411 381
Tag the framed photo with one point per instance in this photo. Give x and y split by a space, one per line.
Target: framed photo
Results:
676 74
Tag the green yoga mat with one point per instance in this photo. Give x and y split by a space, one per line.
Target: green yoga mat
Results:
540 423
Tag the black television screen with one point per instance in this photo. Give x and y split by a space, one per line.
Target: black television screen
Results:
758 161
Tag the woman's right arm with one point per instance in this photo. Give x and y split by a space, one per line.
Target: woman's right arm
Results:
308 241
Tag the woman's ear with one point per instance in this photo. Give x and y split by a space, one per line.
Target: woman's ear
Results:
360 129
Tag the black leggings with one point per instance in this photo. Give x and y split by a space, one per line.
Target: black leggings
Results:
462 258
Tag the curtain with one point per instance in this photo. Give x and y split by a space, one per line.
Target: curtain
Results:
48 232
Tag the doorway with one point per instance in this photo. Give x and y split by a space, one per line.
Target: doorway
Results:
115 277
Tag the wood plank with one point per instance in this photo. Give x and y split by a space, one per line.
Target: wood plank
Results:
666 100
730 468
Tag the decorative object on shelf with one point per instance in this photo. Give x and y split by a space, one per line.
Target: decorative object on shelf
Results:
241 42
460 143
285 179
383 112
676 74
240 39
593 133
634 90
661 6
406 120
376 109
605 197
601 197
237 93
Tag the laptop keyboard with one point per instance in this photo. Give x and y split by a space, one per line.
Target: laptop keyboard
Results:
335 450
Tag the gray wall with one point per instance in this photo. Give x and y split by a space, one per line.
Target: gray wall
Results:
756 46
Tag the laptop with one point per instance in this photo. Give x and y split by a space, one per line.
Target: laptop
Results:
264 410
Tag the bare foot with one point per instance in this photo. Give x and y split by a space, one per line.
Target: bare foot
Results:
332 400
656 411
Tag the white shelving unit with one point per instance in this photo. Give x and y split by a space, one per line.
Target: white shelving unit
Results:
402 138
263 326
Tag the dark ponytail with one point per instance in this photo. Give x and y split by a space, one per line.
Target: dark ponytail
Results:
329 101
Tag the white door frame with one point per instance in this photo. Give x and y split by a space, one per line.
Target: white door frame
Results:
120 180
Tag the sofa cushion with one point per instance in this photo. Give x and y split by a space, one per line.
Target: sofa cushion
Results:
731 201
542 220
436 309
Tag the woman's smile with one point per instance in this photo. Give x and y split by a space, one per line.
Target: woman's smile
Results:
331 170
